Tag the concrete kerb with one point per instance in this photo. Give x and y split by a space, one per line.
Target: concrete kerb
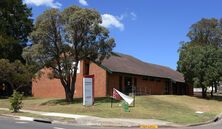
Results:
24 118
115 122
43 121
216 119
96 121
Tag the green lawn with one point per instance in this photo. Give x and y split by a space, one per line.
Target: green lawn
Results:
178 109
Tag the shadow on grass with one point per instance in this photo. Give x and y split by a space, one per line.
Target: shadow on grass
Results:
215 97
98 101
61 102
26 97
3 97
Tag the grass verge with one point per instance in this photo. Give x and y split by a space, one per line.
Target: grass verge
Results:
177 109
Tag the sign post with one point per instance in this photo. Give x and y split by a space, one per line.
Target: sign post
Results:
88 90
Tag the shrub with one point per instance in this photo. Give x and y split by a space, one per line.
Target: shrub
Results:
16 101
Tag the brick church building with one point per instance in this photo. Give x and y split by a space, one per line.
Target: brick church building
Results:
122 72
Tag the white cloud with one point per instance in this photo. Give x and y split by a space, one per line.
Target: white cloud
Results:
109 20
128 15
133 15
49 3
122 16
83 2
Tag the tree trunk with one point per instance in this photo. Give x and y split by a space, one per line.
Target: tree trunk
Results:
69 95
215 89
69 84
73 82
204 91
215 86
69 89
212 90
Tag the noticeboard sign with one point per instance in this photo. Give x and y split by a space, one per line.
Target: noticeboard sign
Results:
88 96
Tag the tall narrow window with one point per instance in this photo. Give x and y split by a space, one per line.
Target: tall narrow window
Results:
120 83
167 87
86 68
134 86
135 82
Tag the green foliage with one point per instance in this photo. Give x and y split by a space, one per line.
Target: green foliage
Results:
9 48
206 32
16 101
15 26
15 73
8 44
62 39
201 65
200 59
15 19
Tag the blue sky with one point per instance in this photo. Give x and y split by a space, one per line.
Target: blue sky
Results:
150 30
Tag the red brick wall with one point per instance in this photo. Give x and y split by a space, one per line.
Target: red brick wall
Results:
112 82
103 84
52 88
45 87
99 80
153 87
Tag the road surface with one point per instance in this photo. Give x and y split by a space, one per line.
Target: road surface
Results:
10 123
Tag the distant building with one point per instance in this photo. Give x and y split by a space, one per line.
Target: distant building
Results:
122 72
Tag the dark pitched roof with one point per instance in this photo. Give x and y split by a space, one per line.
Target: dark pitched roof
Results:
127 64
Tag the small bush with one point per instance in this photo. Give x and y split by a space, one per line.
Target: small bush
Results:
16 101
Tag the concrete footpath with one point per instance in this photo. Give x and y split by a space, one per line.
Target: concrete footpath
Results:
94 121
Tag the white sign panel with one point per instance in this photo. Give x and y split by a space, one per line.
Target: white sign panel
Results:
87 91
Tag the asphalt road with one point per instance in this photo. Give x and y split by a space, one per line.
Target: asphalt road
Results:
10 123
217 125
210 126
